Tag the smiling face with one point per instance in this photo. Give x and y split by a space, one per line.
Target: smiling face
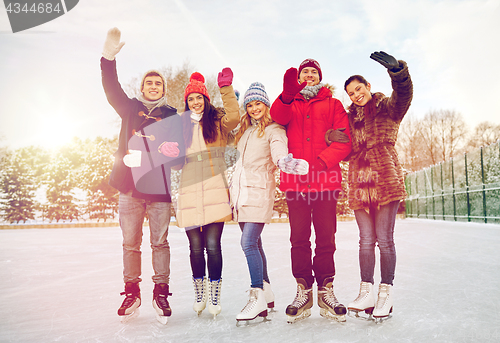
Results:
152 87
256 109
359 92
196 103
309 75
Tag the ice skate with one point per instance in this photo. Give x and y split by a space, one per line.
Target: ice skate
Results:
200 294
365 302
300 308
160 302
269 296
383 307
330 307
214 289
130 306
255 307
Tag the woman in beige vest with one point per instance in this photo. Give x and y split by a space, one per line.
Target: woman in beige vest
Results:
203 200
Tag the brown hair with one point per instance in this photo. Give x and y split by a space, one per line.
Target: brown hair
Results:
358 78
155 73
208 123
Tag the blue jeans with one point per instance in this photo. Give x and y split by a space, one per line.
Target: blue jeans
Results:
131 215
377 226
320 210
251 243
206 237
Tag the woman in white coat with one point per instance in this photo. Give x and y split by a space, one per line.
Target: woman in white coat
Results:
262 145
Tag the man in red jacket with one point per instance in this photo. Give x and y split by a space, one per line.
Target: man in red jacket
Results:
307 109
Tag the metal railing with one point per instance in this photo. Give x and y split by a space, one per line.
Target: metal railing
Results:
466 188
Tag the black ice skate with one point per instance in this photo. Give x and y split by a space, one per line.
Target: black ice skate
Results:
300 308
130 306
330 307
160 302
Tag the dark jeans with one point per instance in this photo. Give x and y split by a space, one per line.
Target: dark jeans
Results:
319 209
377 226
206 237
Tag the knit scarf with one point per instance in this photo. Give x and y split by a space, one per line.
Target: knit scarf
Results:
151 105
196 117
310 92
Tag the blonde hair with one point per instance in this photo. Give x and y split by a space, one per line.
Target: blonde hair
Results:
246 122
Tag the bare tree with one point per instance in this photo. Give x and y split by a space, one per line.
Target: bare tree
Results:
484 134
409 144
444 134
427 129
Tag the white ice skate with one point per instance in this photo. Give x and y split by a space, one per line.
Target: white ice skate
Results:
255 307
383 308
200 293
269 296
300 308
214 290
365 302
130 306
331 308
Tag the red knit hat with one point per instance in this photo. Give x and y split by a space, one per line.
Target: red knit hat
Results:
311 63
196 85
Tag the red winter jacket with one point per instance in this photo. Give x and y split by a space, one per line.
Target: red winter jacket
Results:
306 123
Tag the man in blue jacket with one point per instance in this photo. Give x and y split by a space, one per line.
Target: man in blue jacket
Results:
150 142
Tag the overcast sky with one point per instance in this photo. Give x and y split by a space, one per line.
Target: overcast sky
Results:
50 83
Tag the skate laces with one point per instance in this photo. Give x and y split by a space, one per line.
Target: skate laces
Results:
383 295
363 292
215 287
199 289
301 297
328 296
251 301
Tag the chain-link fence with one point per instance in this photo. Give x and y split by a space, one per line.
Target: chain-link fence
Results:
466 188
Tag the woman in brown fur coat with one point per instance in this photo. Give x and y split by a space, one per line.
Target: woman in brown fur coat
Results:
376 182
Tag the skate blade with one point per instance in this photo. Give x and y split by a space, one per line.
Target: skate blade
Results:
128 317
162 319
354 313
254 321
379 320
303 315
327 314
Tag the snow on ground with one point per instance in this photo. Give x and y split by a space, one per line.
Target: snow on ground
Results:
63 285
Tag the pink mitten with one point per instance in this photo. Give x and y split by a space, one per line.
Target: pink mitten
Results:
169 149
225 77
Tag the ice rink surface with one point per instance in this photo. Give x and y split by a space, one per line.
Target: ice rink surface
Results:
63 285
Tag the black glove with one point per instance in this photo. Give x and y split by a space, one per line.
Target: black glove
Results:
336 136
386 60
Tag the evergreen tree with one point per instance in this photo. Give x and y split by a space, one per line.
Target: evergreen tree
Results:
60 181
18 185
102 199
